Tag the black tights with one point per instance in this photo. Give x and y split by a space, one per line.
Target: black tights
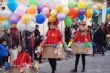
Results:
77 60
53 63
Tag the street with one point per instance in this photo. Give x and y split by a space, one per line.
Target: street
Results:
96 64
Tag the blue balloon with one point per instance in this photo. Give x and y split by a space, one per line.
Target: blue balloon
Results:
12 5
40 18
108 10
82 11
6 25
95 13
81 17
100 11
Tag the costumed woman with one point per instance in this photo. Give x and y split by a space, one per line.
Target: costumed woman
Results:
53 40
81 37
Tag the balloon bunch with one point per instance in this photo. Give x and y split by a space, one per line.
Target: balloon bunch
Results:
108 13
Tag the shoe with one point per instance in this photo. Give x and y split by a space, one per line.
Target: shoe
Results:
83 70
74 70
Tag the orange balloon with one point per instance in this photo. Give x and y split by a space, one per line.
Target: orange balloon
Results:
52 19
32 9
108 16
89 13
3 18
14 25
73 13
59 8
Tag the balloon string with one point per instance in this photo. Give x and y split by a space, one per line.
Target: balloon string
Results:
19 38
43 29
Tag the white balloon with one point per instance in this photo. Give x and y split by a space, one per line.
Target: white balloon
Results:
20 10
20 26
31 26
5 13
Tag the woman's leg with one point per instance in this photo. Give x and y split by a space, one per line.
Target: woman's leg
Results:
83 62
76 63
53 63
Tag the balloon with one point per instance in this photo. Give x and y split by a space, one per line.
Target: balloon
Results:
95 13
81 11
99 6
100 11
71 4
52 19
89 13
61 16
40 18
40 7
53 12
72 13
59 8
6 25
68 21
89 6
12 5
34 2
14 19
32 9
65 10
108 10
81 17
20 26
81 5
14 25
25 19
108 16
31 26
20 10
51 6
94 7
45 10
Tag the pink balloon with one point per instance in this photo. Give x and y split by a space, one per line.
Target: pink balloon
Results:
14 19
45 10
61 16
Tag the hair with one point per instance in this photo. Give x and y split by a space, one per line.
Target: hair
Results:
2 39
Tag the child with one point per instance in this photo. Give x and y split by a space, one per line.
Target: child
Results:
23 59
4 53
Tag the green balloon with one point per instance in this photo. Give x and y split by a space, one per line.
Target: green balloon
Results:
6 24
88 44
34 2
71 4
68 21
89 6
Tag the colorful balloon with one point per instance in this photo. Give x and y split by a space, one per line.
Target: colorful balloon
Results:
34 2
72 13
71 4
21 26
53 12
40 7
12 5
81 5
89 5
68 21
45 10
108 10
40 18
59 8
89 13
82 11
65 10
20 10
31 26
108 16
14 19
52 19
6 25
32 9
99 6
61 16
95 13
81 17
25 19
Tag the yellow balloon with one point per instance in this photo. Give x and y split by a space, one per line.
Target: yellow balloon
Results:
59 8
89 13
99 6
53 12
108 16
3 18
32 9
26 19
52 19
81 4
66 10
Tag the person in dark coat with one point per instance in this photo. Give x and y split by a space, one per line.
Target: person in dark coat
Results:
100 39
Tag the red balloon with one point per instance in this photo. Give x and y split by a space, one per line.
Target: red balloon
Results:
73 13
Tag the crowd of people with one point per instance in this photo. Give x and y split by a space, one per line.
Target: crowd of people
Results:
23 48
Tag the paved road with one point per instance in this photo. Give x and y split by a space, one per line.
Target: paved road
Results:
97 64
